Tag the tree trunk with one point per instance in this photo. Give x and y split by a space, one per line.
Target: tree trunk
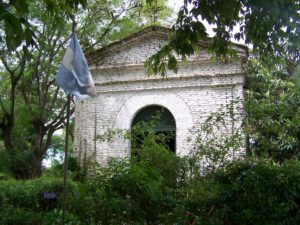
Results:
31 165
40 144
39 149
36 169
7 136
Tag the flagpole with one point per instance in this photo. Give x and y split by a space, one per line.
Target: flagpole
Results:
65 192
65 187
81 86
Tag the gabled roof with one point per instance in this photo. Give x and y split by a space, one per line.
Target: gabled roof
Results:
150 31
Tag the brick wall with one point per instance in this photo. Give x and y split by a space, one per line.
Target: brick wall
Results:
200 87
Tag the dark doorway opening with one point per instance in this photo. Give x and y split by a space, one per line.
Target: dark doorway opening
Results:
155 119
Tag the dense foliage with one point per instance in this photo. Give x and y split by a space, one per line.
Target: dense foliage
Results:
32 201
161 188
272 29
17 28
273 112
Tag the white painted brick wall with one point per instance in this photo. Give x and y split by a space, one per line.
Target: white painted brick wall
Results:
199 88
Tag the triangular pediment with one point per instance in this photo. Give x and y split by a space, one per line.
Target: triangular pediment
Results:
138 47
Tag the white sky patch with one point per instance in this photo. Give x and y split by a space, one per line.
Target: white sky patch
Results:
59 156
48 162
175 4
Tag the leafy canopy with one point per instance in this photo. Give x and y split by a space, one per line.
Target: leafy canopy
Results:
272 28
17 28
272 105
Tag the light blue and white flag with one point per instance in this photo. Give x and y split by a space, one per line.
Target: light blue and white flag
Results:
73 75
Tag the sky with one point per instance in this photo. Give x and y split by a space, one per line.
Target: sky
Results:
175 4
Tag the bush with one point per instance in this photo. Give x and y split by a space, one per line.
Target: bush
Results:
31 201
139 190
244 192
273 110
155 186
144 191
259 193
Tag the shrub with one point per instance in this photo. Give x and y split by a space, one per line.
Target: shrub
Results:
219 139
243 192
273 110
130 191
30 201
144 191
259 193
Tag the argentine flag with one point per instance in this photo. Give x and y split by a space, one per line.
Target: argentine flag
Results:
73 75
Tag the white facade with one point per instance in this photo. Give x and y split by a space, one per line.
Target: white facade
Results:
200 87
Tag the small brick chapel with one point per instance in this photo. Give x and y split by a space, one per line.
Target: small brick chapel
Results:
126 95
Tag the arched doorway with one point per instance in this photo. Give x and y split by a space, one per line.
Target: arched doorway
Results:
157 119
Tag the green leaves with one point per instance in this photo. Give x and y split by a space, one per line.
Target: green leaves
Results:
26 202
13 22
13 30
273 113
18 28
132 192
21 7
258 192
272 29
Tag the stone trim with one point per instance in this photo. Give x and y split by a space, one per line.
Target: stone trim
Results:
180 82
172 102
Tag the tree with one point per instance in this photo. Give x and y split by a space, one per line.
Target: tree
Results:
140 16
273 120
29 91
21 105
273 31
16 26
272 28
154 13
32 107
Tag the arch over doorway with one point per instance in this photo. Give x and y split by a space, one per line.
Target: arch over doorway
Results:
157 119
178 108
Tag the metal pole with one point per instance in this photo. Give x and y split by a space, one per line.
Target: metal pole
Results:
65 192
